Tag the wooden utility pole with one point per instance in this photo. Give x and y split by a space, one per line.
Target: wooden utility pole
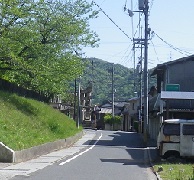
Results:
146 7
113 96
75 94
78 107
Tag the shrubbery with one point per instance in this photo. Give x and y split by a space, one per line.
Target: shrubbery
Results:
112 120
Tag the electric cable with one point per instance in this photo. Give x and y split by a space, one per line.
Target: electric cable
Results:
126 58
170 45
155 50
151 4
113 23
112 20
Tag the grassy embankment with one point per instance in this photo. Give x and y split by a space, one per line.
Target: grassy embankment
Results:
175 170
25 123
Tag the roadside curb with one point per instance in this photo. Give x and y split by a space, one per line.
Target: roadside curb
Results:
150 161
9 156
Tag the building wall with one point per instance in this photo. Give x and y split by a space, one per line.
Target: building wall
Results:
181 73
131 116
176 73
85 103
184 76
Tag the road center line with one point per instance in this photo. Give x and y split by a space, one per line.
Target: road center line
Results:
81 153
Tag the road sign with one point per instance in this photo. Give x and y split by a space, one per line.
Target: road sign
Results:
173 87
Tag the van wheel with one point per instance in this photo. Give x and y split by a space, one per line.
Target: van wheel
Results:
171 154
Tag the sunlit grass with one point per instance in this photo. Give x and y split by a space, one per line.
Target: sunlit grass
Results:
175 170
25 122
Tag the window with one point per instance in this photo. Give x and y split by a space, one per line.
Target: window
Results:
188 129
133 108
171 129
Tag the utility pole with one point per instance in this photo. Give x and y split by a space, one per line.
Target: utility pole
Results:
113 110
134 72
78 108
75 92
146 73
140 87
143 7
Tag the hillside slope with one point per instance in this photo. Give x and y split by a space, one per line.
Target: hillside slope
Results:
25 122
100 73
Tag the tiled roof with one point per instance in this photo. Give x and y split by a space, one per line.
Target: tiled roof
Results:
106 111
109 111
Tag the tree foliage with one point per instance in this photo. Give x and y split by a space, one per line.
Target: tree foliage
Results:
41 41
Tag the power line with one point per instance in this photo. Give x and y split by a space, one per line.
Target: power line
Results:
130 13
112 20
132 19
154 50
151 4
170 45
115 25
129 56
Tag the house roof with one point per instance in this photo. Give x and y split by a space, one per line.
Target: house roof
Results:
105 111
116 104
120 104
178 121
106 105
164 65
109 111
154 103
177 95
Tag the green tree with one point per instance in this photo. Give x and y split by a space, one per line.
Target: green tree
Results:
41 42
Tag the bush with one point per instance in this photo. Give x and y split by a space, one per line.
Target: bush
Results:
135 126
117 120
110 120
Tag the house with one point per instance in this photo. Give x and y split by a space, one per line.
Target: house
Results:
174 76
86 106
66 108
132 118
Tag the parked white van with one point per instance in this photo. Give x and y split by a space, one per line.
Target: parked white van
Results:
176 137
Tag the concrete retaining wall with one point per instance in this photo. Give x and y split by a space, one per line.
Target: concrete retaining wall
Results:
8 155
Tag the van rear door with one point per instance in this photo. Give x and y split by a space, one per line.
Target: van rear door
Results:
187 139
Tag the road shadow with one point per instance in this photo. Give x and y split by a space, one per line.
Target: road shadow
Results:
124 162
119 138
131 142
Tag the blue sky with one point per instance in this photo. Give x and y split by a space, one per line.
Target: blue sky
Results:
171 20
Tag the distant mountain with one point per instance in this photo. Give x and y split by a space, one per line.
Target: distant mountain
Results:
100 73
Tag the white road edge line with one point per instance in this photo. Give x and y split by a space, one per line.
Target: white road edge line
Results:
81 153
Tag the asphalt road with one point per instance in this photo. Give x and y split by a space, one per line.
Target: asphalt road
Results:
111 155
